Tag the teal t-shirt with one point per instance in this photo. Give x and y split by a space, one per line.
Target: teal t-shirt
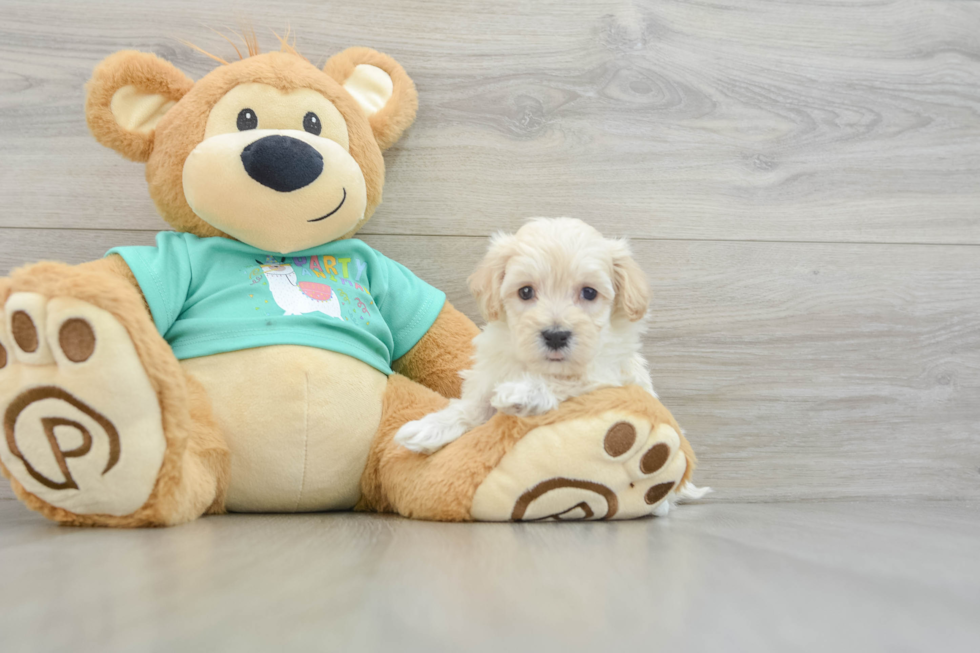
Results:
215 295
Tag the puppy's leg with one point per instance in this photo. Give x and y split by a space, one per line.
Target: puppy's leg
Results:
525 397
435 430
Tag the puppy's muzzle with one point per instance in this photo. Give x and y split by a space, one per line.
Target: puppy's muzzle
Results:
555 339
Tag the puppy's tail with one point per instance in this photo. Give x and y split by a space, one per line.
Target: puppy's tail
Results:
688 492
691 492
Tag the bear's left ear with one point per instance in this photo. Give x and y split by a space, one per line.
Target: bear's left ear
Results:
127 96
381 87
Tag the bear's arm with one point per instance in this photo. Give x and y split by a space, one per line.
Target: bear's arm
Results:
115 265
436 360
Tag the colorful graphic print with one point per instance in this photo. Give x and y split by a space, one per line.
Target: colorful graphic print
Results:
297 297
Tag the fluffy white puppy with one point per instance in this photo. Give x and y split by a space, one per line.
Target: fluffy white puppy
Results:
564 309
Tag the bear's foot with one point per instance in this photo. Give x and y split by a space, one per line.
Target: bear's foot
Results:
619 464
82 425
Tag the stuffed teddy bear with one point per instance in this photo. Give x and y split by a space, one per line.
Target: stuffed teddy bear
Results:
259 358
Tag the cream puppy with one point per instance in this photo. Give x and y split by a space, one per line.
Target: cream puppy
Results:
564 309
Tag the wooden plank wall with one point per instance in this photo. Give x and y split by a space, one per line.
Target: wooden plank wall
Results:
801 182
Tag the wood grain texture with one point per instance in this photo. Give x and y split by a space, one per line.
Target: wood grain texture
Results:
734 140
781 577
800 371
725 120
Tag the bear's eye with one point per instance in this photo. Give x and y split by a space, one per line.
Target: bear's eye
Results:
311 123
589 294
247 120
526 293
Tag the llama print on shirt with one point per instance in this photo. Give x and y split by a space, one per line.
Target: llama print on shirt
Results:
299 297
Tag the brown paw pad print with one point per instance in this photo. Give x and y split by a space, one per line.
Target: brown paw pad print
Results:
24 332
621 439
77 340
580 510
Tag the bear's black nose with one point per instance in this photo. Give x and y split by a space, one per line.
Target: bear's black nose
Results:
282 163
555 339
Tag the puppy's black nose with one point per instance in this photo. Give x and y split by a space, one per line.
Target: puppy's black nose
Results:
282 163
556 339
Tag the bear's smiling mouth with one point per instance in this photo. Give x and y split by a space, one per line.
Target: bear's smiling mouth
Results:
324 217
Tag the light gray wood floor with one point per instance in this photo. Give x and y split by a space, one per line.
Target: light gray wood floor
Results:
839 576
802 184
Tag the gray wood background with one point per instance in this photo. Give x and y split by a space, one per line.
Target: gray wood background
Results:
801 181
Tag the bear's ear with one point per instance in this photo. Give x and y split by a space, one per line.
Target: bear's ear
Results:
127 96
381 87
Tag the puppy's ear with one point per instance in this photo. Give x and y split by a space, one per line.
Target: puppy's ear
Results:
127 96
381 86
632 289
487 280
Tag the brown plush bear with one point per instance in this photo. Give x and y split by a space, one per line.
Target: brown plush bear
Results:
261 359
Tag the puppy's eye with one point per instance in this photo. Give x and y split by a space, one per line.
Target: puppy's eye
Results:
247 120
526 293
311 123
589 294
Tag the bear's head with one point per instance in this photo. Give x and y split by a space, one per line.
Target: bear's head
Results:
269 150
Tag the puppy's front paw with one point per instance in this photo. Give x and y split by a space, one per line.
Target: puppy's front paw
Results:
523 398
429 434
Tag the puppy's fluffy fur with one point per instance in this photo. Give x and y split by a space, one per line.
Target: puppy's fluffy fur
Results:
554 342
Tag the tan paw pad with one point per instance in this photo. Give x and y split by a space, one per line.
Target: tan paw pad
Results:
611 466
82 426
